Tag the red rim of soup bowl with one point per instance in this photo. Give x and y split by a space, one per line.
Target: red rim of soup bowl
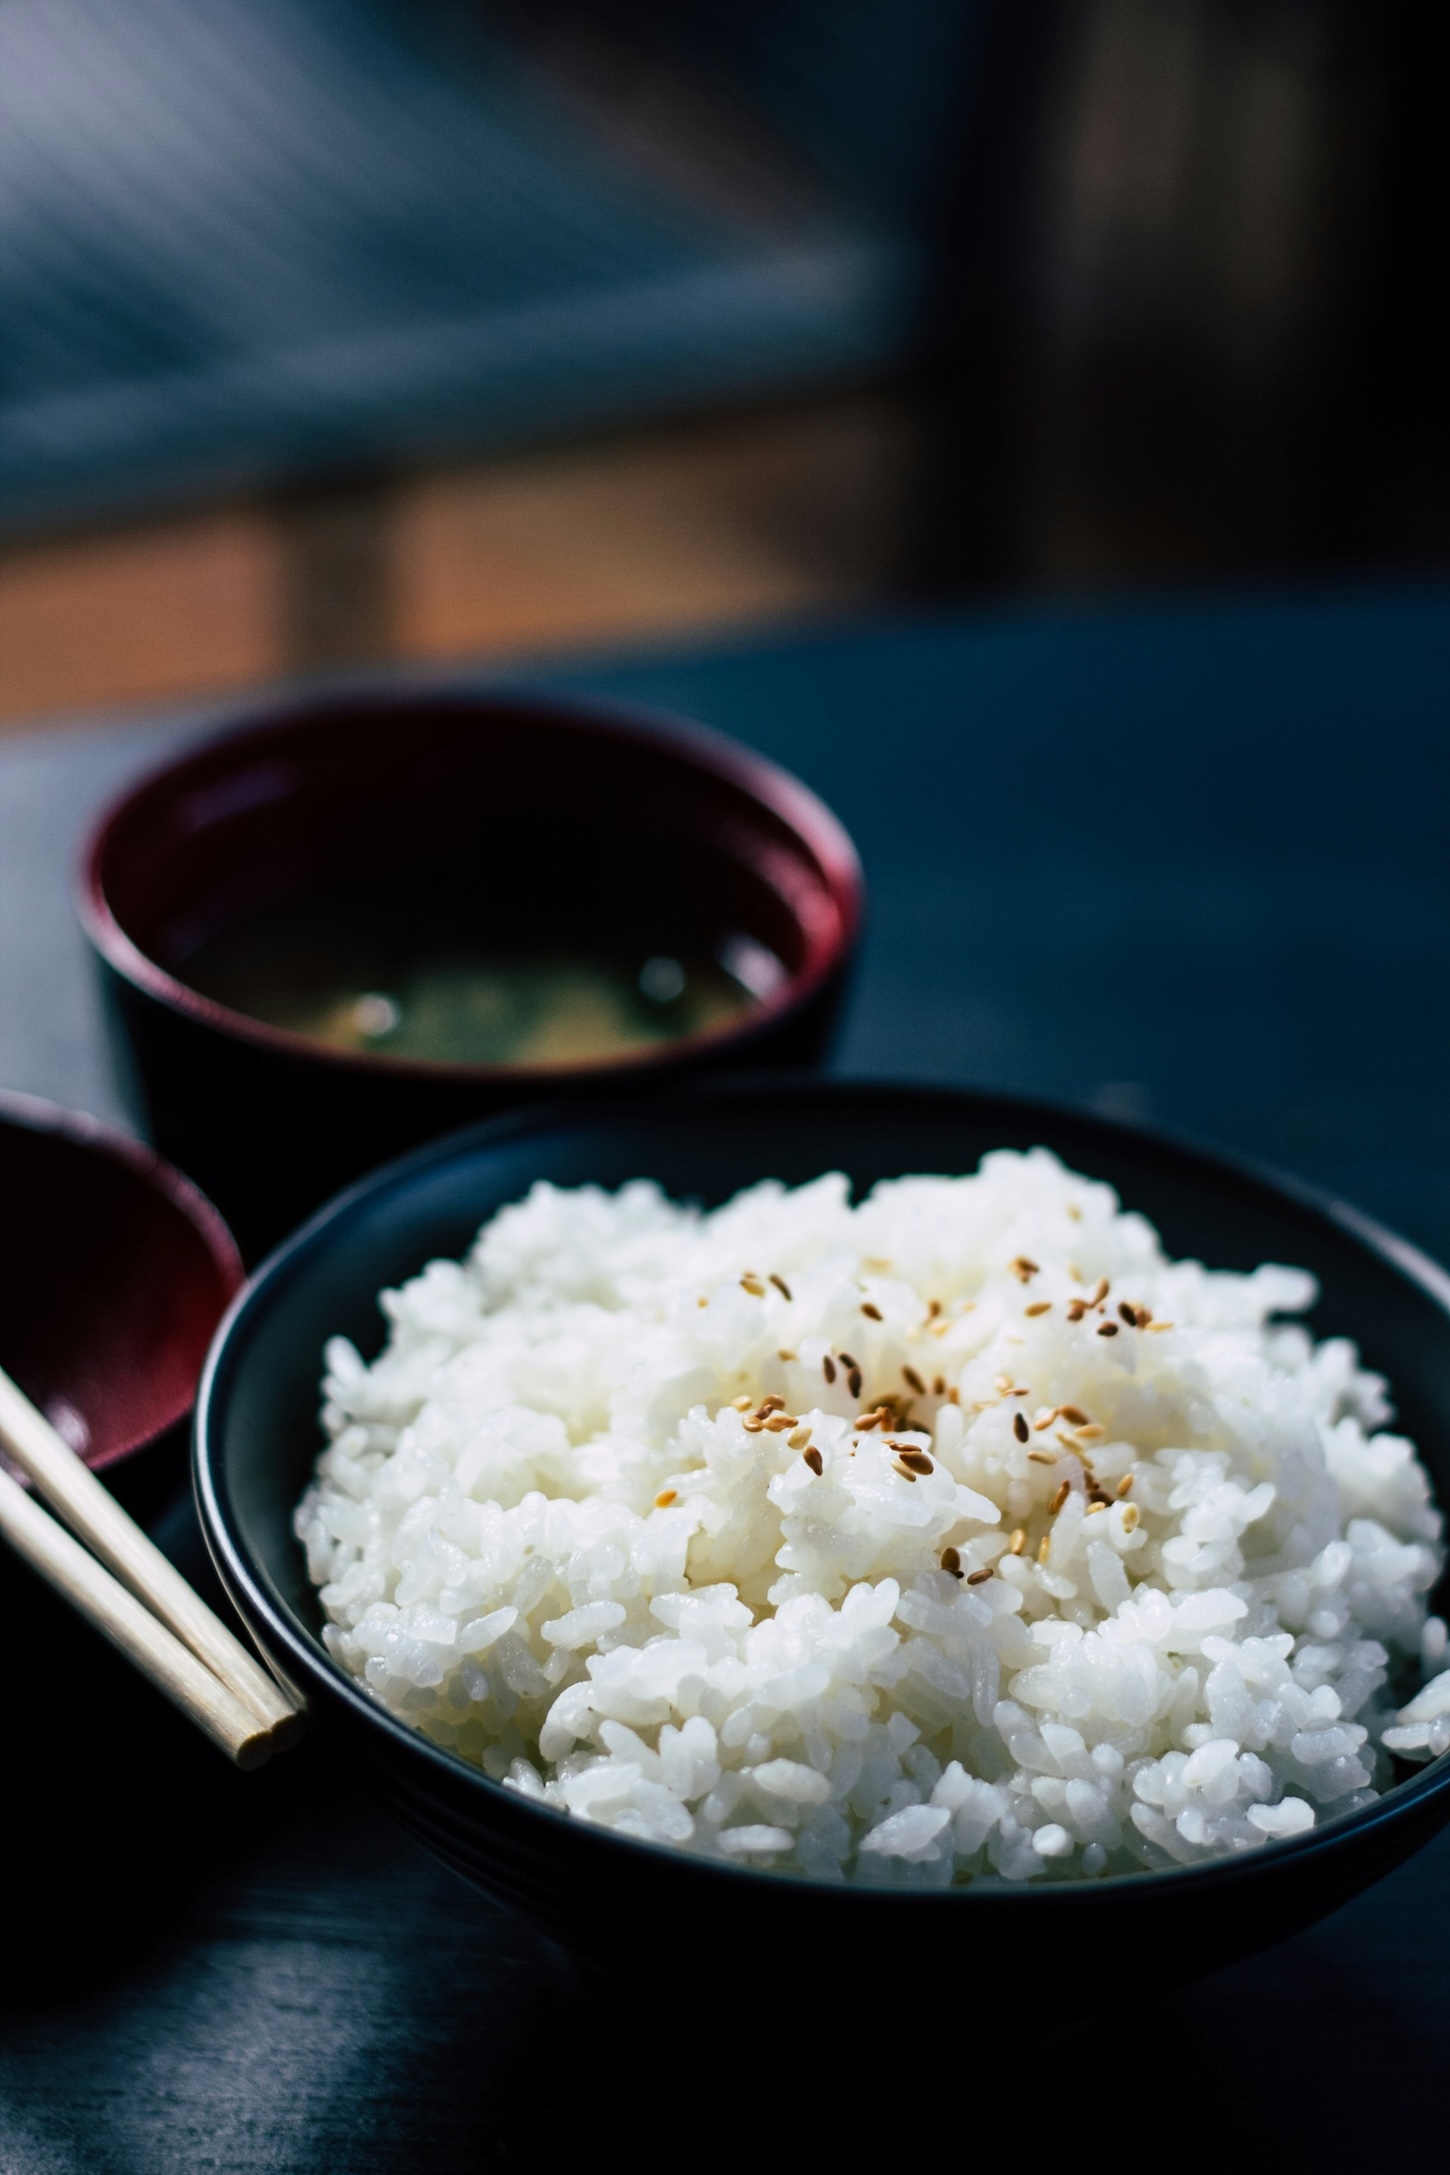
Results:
78 1130
829 937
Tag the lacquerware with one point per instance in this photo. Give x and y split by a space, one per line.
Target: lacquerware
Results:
530 821
114 1272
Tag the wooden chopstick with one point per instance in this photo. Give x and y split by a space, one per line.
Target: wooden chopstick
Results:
172 1667
98 1518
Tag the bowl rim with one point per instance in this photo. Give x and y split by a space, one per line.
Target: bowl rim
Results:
35 1114
661 731
308 1657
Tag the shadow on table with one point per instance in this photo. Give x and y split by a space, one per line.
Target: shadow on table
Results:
115 1808
259 1973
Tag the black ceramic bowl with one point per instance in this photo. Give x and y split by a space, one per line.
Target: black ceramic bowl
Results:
114 1273
447 821
611 1897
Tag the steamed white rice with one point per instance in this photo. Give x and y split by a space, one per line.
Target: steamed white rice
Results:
957 1535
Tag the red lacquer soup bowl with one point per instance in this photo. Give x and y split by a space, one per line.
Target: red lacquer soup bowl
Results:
487 825
114 1273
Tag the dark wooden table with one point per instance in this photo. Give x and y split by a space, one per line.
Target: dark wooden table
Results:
1188 865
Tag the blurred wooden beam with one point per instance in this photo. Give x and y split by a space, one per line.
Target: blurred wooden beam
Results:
157 614
726 521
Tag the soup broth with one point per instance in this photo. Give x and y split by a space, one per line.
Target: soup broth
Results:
453 1003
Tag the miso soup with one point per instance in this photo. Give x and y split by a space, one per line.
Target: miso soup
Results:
417 996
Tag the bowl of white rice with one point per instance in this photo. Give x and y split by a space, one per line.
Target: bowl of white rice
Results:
881 1520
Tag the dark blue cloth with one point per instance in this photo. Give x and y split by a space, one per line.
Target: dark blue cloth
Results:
1188 864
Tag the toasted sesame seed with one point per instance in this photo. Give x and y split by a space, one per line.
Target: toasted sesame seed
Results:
1018 1541
847 1360
741 1404
1064 1489
904 1470
770 1404
1042 1547
1131 1515
1069 1442
753 1285
1091 1432
1042 1457
1045 1417
1022 1268
975 1578
1125 1484
853 1381
917 1460
1156 1329
1145 1316
933 1308
828 1368
1074 1272
873 1418
752 1426
1038 1306
872 1313
780 1423
800 1438
913 1381
780 1284
1095 1504
954 1395
1107 1329
939 1386
785 1355
1100 1292
1076 1308
665 1497
951 1561
815 1461
702 1302
1020 1428
1002 1384
1128 1314
1073 1414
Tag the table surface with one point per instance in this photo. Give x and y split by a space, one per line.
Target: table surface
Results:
1183 864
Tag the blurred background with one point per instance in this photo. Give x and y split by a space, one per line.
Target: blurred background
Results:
343 332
